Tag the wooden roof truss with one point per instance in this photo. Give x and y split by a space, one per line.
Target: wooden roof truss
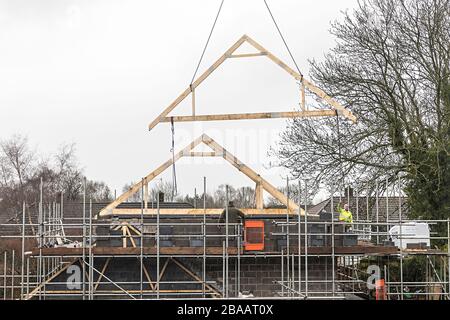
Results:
217 151
261 51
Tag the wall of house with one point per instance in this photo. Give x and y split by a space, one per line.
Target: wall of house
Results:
259 276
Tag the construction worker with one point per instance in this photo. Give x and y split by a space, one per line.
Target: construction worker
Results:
345 215
235 217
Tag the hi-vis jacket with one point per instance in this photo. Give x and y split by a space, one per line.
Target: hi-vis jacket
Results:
344 215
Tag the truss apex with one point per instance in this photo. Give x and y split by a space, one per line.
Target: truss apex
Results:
205 137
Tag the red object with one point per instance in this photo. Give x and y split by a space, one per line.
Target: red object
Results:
254 235
380 287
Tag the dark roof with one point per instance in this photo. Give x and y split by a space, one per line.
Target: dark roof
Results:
73 213
162 205
387 206
318 208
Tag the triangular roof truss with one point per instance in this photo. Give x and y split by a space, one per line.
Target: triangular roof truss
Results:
217 151
336 107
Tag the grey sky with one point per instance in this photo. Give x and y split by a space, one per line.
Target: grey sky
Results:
97 72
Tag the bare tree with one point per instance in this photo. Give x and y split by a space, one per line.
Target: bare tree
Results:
244 197
17 160
21 171
6 173
70 176
391 67
296 194
220 195
165 187
98 191
161 186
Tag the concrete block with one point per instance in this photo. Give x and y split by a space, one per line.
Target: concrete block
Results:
196 242
350 240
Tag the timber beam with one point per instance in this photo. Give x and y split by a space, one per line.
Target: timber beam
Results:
249 212
252 116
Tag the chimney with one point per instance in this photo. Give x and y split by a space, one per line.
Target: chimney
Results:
348 191
161 196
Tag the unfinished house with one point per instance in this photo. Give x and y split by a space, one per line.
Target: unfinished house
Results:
155 249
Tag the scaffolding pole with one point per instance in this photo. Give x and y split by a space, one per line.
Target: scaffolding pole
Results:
157 247
204 239
282 272
226 242
41 235
238 287
62 207
448 255
292 285
400 236
28 276
84 242
141 255
306 239
377 212
287 239
387 204
368 217
91 256
299 240
12 273
224 294
357 205
23 252
4 275
333 290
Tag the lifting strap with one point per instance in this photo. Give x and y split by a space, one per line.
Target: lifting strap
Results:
282 38
207 42
174 173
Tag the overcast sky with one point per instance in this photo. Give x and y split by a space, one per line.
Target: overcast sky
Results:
96 73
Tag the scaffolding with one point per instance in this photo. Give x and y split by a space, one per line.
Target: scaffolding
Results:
30 274
58 245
